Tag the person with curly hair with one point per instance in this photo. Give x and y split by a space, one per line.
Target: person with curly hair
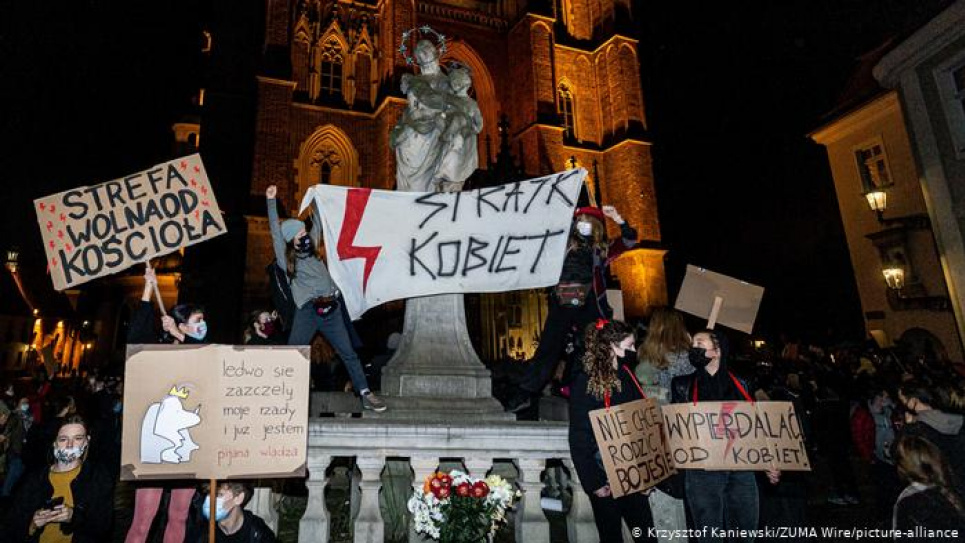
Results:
605 379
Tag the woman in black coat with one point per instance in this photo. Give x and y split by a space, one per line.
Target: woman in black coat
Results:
72 498
605 380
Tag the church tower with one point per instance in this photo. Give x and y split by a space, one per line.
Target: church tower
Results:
560 79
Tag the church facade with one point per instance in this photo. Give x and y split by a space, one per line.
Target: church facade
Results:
558 84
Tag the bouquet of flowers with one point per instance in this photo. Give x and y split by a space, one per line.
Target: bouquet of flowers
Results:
456 508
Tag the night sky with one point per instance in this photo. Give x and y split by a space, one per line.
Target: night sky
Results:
731 89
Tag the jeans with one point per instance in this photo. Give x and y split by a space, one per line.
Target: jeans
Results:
14 471
332 326
723 500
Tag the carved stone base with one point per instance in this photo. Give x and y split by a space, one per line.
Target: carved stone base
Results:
436 374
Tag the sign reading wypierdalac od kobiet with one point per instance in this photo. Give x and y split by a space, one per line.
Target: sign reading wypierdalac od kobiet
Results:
390 245
90 232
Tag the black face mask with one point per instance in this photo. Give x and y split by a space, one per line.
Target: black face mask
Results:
698 357
304 244
629 358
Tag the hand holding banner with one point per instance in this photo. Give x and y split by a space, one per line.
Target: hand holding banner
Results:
389 245
90 232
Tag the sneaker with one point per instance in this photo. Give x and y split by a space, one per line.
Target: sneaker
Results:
373 403
519 402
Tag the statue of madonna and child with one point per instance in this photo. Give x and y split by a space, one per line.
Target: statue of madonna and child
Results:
435 139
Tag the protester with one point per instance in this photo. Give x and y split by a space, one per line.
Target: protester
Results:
663 356
580 296
605 379
315 295
941 428
930 500
874 435
70 501
235 524
12 442
186 325
717 499
263 329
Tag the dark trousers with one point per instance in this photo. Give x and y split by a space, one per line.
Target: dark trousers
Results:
552 342
634 509
332 326
722 499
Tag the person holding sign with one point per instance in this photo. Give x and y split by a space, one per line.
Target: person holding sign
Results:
605 380
69 501
717 499
185 325
315 295
580 296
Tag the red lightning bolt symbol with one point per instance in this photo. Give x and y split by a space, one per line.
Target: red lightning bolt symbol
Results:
355 202
726 408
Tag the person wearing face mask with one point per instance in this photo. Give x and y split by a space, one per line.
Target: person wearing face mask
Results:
69 501
717 499
262 329
580 296
315 295
604 379
873 434
185 325
235 524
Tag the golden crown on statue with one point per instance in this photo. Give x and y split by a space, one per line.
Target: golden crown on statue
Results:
178 392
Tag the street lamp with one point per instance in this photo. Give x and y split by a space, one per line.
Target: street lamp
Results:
877 201
894 276
13 256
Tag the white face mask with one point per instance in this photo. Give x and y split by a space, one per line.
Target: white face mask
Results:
68 455
584 228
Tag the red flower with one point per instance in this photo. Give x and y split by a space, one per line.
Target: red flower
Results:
480 489
441 492
464 489
445 478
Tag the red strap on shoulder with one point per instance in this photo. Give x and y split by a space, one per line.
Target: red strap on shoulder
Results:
606 400
696 380
634 377
740 387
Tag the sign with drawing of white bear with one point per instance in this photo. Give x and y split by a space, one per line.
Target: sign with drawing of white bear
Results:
165 431
215 412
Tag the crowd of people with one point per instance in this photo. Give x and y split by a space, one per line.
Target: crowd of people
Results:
900 420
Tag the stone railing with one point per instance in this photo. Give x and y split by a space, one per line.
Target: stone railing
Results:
522 448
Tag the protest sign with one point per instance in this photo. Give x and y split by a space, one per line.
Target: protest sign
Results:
719 298
215 412
389 245
90 232
735 436
634 453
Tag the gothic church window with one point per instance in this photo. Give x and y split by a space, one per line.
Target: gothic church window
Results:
331 84
566 109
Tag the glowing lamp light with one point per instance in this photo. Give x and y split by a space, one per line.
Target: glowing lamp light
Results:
877 200
36 311
895 277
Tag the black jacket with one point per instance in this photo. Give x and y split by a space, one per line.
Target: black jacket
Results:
682 387
583 448
93 495
254 528
927 509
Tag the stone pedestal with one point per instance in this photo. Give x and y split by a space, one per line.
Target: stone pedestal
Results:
435 373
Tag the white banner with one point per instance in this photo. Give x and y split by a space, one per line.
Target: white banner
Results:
388 245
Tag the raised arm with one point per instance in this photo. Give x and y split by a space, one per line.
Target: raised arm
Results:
277 241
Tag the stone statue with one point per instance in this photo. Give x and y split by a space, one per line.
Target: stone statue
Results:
435 139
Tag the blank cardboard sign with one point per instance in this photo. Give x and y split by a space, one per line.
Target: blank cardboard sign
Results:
740 299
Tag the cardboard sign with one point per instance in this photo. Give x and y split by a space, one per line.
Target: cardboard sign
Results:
735 436
634 453
737 301
215 412
389 245
94 231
